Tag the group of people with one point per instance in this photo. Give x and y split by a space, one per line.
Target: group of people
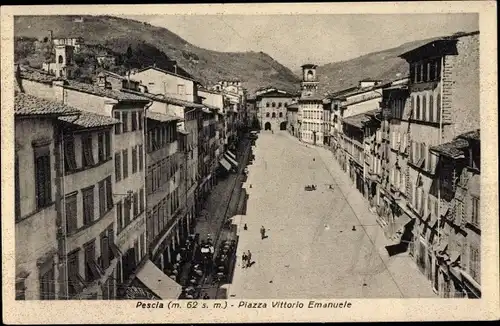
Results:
223 261
310 187
181 257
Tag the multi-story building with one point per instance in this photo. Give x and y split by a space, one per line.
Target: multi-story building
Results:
444 102
174 83
39 218
386 164
163 180
336 119
253 117
272 108
310 107
458 256
64 65
357 132
128 144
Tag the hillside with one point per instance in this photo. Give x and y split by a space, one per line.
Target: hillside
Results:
158 45
384 65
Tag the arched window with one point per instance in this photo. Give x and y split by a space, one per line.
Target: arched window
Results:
273 105
267 114
281 114
267 104
274 115
417 113
60 59
310 75
286 104
438 108
431 108
280 104
424 107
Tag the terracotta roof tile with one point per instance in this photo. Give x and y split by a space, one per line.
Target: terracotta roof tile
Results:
90 120
25 104
164 99
453 149
359 120
37 76
99 91
161 116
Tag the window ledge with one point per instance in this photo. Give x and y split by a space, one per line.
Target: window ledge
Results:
84 227
27 216
84 168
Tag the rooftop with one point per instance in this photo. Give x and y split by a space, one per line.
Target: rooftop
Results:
440 46
26 105
313 97
184 74
359 120
162 117
89 120
100 91
455 148
164 99
36 75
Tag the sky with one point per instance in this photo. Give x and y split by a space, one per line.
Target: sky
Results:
296 39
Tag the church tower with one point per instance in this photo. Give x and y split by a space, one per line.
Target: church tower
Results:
309 84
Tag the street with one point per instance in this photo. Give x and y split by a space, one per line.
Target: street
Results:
312 250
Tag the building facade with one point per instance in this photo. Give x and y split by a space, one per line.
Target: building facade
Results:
444 102
458 257
271 106
40 264
310 108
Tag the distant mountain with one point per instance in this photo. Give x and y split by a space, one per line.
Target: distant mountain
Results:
383 65
158 45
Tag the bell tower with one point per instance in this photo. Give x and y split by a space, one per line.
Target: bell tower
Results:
309 84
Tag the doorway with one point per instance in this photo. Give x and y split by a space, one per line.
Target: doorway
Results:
283 125
267 126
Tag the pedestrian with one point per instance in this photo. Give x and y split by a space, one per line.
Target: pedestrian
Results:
249 258
244 260
245 227
206 297
262 232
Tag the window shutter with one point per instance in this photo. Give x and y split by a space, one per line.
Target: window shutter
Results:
109 193
102 199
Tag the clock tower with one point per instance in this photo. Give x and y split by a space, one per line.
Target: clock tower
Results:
309 84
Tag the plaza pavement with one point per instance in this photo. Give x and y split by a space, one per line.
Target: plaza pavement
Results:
311 250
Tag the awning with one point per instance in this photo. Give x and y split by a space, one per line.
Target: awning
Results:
225 164
231 155
160 284
233 162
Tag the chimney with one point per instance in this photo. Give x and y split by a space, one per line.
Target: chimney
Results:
50 36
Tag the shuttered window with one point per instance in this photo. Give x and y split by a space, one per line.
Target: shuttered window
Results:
71 204
141 158
69 154
134 159
87 151
119 216
125 163
43 187
104 250
88 205
118 167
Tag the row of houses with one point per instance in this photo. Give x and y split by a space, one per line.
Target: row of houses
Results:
411 146
110 176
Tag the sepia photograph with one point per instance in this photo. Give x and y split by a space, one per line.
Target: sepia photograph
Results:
248 161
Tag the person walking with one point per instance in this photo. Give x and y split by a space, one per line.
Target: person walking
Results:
244 260
249 258
262 232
